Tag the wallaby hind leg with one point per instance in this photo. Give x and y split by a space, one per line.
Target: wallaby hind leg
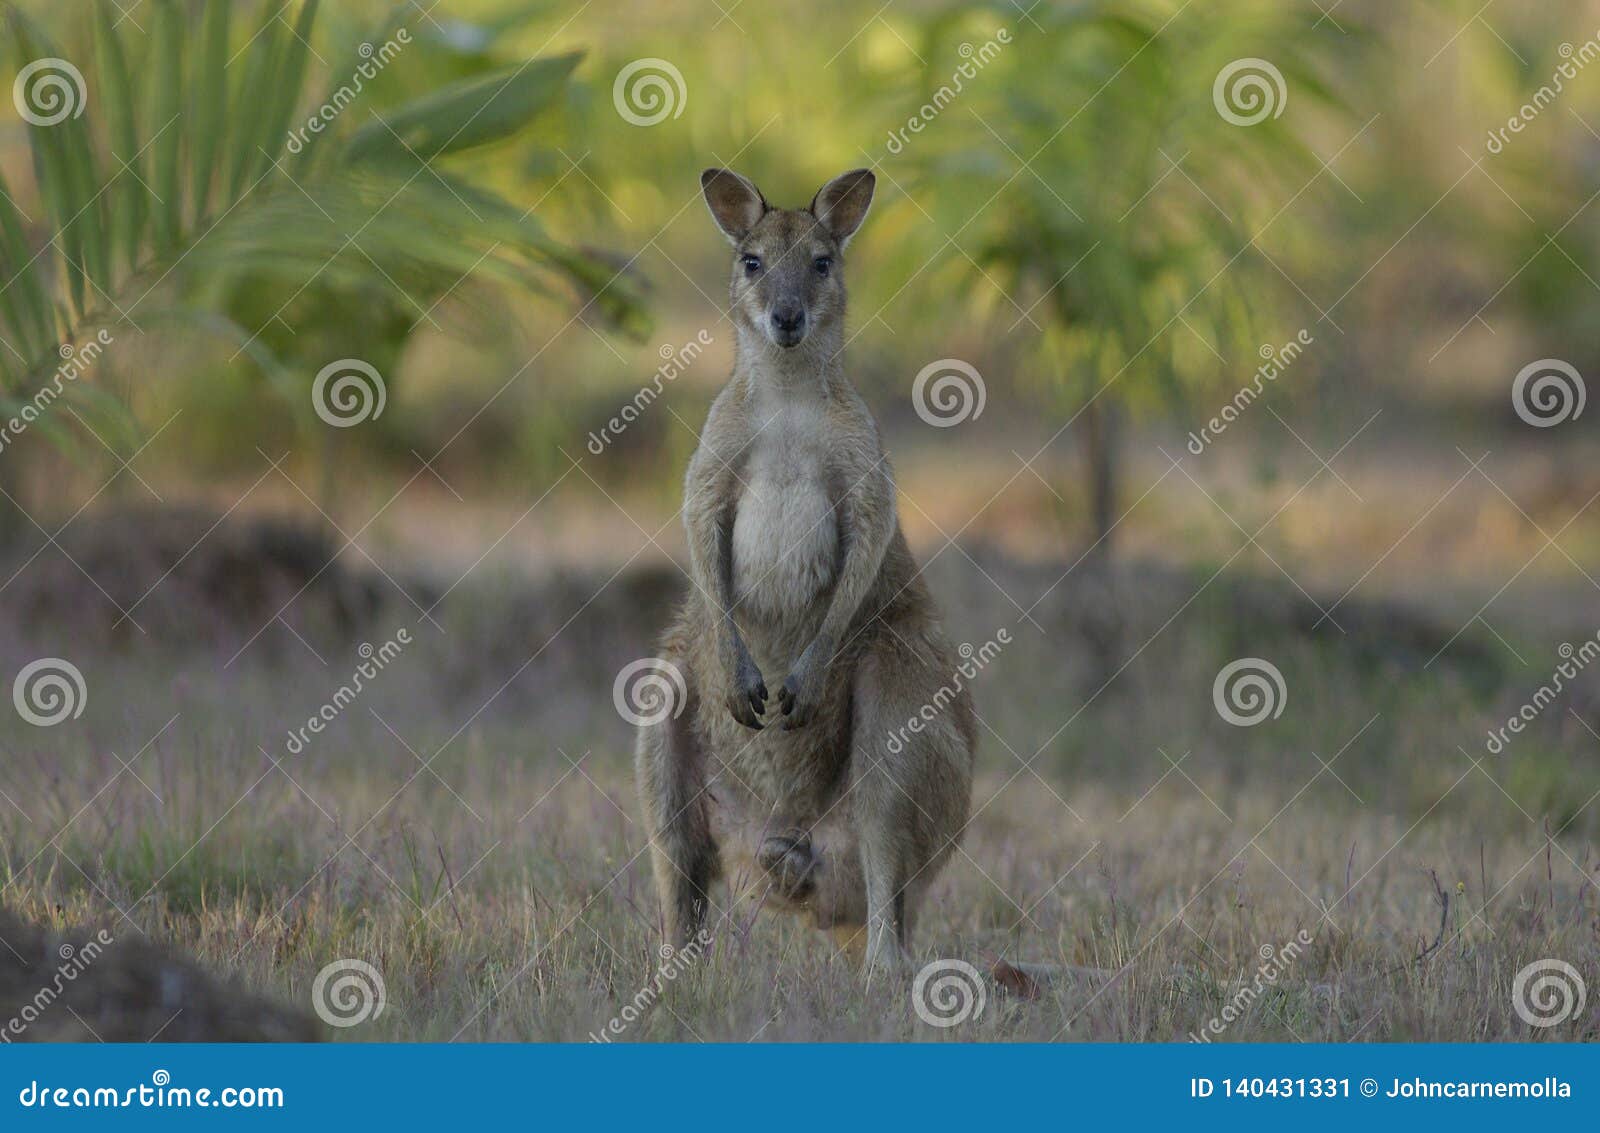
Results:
912 789
670 768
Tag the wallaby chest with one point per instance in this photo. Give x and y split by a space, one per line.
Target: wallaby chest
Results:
786 529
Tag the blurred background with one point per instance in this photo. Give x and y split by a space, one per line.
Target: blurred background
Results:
1194 329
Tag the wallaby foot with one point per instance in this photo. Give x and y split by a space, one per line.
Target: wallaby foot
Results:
886 959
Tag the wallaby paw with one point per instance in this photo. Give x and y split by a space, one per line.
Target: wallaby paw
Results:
798 700
747 700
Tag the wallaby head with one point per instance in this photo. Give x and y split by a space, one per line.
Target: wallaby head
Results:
787 285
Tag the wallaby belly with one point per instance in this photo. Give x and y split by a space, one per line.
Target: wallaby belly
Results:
785 551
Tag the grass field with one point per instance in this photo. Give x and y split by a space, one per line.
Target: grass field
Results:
466 824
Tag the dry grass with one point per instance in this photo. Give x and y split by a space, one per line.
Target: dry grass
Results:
475 838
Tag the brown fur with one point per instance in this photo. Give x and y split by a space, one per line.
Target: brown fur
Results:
802 577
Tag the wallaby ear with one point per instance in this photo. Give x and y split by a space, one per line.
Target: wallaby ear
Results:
841 205
735 203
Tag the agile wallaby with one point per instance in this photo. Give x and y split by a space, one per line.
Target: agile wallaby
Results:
802 576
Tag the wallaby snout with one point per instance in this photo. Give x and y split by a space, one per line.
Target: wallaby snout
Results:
788 323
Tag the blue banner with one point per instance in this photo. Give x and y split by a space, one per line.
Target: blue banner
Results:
636 1086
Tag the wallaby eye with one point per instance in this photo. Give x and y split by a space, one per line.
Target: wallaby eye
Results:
752 264
823 264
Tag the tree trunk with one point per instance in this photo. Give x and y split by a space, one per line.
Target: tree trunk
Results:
1101 617
1103 453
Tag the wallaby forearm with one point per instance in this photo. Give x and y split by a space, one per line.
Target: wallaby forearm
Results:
711 562
867 527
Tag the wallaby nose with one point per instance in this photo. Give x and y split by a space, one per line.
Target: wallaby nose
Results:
788 320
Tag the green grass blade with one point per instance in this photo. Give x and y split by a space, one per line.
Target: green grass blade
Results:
51 172
21 287
248 123
165 78
127 206
88 202
208 100
287 79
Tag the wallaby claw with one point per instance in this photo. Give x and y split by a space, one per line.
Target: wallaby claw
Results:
798 697
748 700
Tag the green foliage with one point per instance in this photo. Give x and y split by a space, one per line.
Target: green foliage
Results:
195 189
1090 176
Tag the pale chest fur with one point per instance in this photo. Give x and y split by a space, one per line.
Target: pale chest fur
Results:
786 531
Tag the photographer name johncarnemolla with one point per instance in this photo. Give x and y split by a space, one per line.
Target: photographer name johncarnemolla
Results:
1417 1088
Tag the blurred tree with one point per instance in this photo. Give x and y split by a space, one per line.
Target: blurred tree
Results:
1109 179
